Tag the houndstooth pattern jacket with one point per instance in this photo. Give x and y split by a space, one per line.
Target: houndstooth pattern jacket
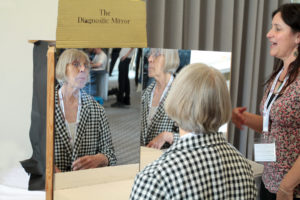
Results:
198 167
93 134
160 121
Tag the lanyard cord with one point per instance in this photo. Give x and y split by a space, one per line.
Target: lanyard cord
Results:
266 112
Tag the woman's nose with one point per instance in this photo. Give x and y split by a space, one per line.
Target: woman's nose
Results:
81 67
269 34
150 59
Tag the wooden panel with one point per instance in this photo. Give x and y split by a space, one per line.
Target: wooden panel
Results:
148 155
50 123
119 190
90 177
100 23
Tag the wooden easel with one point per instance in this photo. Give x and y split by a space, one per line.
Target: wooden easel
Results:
50 123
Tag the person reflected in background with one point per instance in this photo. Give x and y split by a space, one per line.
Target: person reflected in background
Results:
158 130
82 133
114 56
98 64
201 164
99 61
137 65
146 80
123 95
280 108
185 58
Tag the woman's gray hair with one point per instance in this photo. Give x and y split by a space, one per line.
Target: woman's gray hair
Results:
199 99
171 59
68 57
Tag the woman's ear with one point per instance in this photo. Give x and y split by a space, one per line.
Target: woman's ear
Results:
298 38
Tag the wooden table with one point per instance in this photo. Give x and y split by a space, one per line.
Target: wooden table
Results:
109 182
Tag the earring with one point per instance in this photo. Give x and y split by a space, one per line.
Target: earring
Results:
296 53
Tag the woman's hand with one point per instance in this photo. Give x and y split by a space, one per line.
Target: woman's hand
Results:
91 161
237 116
123 58
56 170
289 182
160 140
284 194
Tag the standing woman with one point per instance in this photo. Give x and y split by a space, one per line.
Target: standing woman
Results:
158 130
280 107
82 134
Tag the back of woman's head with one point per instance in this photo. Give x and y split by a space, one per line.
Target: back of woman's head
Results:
199 100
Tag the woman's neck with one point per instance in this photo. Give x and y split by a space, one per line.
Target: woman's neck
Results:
162 81
182 132
287 61
69 93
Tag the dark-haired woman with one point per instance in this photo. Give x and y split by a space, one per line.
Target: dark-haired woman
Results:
280 107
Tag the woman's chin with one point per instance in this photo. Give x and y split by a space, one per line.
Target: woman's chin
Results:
273 53
150 75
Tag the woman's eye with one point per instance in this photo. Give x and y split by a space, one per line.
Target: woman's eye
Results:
76 64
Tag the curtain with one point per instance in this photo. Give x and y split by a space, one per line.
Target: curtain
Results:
36 165
238 26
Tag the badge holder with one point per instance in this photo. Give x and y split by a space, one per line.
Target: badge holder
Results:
264 149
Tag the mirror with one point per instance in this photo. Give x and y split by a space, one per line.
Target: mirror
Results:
159 69
103 118
123 113
126 138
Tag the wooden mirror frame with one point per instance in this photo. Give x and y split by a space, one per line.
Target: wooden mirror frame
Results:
50 123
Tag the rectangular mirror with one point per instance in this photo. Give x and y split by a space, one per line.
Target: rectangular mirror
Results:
125 120
160 67
96 108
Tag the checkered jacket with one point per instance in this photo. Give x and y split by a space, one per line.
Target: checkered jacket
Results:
198 167
93 134
160 121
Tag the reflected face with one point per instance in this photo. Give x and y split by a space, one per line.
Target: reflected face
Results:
77 73
156 63
98 50
283 39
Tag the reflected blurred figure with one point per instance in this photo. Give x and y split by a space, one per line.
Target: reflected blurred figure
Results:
82 133
158 130
98 65
123 95
114 56
201 164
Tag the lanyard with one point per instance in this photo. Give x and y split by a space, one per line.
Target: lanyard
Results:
164 93
266 112
61 101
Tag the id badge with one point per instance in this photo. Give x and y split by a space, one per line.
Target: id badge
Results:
265 151
265 121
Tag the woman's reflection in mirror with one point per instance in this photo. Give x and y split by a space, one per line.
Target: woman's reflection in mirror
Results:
158 130
82 133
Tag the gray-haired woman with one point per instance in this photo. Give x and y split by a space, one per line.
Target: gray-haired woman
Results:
82 134
158 130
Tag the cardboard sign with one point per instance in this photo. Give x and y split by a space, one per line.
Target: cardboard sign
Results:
101 23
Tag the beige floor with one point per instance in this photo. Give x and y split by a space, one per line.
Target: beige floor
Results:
125 125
